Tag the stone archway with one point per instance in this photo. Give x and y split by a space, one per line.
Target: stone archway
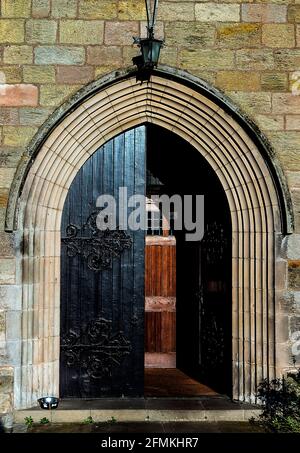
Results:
239 157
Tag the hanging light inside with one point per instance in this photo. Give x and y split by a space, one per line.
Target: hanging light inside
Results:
150 47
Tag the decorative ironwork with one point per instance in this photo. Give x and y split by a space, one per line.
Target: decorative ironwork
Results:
100 248
95 349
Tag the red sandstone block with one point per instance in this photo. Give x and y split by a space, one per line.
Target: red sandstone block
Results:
18 95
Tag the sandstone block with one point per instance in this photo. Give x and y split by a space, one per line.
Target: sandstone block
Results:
10 74
294 13
293 124
264 13
81 32
223 12
286 103
238 35
74 74
33 116
97 55
7 271
120 33
55 95
39 74
98 9
274 81
40 8
254 59
206 59
11 30
15 8
238 80
18 55
41 31
64 8
131 10
18 136
278 35
189 34
183 11
59 55
18 95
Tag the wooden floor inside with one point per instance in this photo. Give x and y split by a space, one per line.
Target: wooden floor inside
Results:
160 382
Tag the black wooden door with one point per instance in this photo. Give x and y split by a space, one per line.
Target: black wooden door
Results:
102 279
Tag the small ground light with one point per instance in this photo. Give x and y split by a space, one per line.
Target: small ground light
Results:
48 402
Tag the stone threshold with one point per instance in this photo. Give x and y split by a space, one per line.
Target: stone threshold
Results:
152 410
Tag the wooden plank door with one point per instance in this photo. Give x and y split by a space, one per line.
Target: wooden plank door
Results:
102 279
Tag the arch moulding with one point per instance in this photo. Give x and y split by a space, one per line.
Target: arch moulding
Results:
241 158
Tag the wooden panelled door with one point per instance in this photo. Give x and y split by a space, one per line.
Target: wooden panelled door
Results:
102 279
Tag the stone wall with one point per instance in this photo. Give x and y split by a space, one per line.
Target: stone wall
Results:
51 48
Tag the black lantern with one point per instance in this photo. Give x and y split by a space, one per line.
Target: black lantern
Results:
150 47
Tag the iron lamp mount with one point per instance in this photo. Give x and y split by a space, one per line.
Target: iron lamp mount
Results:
150 46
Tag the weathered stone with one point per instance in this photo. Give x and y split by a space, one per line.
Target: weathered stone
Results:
3 197
159 29
81 32
131 10
274 81
278 35
270 122
7 271
263 13
238 35
294 13
98 9
64 8
59 55
11 31
293 124
7 244
295 193
33 116
101 70
120 33
18 95
206 59
183 11
286 145
18 136
286 103
238 80
55 94
6 380
10 74
41 31
10 297
256 59
169 56
39 74
8 115
102 55
189 34
287 59
15 8
2 333
209 12
9 157
294 274
40 8
252 103
5 403
74 74
18 55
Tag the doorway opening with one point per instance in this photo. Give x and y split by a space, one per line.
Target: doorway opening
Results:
188 307
152 302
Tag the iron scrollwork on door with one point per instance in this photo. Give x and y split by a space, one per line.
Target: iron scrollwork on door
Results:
95 349
100 247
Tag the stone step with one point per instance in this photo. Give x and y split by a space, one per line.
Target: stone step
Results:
137 415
